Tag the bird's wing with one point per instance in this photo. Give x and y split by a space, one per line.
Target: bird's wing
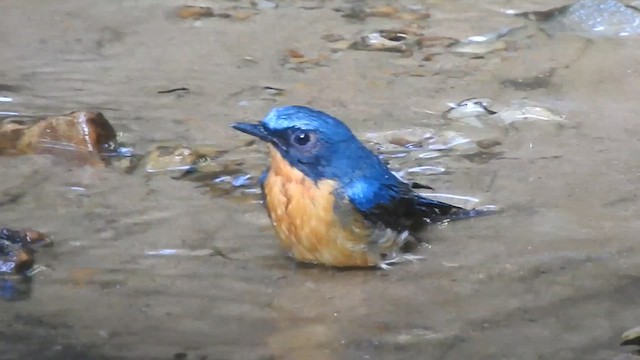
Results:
399 208
434 210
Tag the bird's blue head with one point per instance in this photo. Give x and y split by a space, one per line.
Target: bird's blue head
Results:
323 147
315 143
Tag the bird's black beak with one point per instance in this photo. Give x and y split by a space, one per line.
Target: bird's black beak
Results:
257 130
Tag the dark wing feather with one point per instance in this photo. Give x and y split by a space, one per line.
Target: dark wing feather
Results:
409 211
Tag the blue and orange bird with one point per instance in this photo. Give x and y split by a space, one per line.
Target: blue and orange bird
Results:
330 199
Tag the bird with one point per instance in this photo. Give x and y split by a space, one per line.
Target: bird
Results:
331 200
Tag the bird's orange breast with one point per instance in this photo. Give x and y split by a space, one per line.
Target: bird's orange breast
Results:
302 212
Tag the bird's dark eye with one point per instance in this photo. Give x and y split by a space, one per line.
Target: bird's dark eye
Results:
301 138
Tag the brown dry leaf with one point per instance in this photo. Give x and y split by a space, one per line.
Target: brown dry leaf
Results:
316 60
242 15
194 12
383 11
297 61
413 16
295 54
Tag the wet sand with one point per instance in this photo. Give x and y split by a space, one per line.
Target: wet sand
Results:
555 276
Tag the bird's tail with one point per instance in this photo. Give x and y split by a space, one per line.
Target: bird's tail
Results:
471 213
437 211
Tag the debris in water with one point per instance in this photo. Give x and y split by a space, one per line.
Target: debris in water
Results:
468 108
411 138
273 91
296 60
189 252
295 54
475 111
199 12
475 48
169 91
361 12
427 142
478 45
523 112
383 40
449 139
181 252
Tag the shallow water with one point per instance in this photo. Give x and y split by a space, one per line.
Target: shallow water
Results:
556 276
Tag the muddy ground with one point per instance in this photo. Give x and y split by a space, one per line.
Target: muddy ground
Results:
555 276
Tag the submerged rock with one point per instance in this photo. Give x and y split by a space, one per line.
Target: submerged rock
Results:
590 18
224 172
84 137
17 249
177 157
